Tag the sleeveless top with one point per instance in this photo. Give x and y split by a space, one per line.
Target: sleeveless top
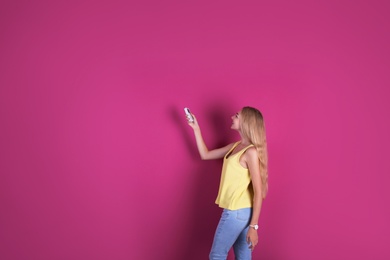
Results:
235 188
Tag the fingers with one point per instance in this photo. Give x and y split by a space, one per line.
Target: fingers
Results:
191 119
252 244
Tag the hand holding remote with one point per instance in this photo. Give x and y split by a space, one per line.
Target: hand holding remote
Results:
189 116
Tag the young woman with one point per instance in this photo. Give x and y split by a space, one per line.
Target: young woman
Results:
243 185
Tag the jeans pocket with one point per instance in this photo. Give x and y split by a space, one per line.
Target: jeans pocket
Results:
244 214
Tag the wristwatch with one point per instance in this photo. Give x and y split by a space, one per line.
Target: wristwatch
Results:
255 226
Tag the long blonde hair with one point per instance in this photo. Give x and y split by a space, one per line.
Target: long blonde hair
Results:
252 127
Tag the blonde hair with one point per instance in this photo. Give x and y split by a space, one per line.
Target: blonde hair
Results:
252 127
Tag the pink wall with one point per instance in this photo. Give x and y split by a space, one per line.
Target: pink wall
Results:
97 161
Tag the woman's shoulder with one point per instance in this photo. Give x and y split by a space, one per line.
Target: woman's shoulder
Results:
251 150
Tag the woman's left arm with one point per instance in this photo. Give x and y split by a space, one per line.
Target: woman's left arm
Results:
252 161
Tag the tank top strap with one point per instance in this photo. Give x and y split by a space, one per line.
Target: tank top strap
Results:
246 148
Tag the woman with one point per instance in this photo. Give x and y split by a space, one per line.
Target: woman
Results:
243 185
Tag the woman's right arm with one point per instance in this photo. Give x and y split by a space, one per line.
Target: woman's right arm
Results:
204 152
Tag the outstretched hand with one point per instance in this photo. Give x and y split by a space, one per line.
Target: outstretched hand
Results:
194 124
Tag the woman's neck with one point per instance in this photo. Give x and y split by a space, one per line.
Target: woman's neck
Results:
245 141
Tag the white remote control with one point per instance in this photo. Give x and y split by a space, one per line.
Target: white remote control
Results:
189 115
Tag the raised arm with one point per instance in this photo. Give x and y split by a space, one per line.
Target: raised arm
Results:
204 152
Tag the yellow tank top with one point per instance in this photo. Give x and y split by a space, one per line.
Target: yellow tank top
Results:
235 188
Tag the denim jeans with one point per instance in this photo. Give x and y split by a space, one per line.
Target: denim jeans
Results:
231 231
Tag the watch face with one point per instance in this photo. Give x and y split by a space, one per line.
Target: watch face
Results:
256 227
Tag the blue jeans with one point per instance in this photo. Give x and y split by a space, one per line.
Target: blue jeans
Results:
231 231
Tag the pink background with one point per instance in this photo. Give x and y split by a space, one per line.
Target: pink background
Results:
97 161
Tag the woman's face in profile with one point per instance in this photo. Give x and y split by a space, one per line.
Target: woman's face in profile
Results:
236 121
